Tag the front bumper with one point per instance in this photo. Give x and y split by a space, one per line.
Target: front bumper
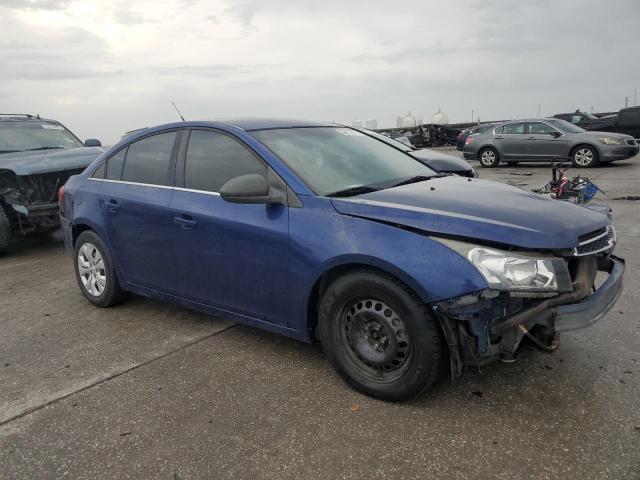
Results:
611 153
593 308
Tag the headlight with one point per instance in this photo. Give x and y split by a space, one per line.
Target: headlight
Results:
611 141
520 272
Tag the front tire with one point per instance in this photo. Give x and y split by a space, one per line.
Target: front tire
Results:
380 337
584 156
94 271
489 157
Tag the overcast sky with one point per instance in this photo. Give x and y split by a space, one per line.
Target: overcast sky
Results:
105 67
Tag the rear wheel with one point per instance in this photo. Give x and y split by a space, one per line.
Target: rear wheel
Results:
5 231
380 337
584 156
489 157
94 271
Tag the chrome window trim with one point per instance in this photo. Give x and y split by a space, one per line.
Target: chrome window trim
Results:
204 192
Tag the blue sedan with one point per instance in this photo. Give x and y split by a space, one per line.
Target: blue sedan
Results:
321 232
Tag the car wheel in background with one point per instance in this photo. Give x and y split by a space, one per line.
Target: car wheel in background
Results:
584 156
488 157
380 337
94 271
5 231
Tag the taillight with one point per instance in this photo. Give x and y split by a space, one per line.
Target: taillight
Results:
60 196
468 140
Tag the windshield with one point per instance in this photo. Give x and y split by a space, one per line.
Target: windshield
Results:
389 140
30 135
566 127
331 159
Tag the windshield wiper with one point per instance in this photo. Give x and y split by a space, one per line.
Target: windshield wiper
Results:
351 191
41 148
418 178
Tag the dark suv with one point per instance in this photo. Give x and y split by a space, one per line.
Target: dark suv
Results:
37 156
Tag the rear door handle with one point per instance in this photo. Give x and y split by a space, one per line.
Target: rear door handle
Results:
531 138
112 206
498 138
185 221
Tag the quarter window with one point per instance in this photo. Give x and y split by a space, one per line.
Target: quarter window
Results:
214 158
148 160
514 128
114 165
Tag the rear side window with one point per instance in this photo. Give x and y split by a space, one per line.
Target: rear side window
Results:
629 117
114 165
486 128
214 158
148 160
513 128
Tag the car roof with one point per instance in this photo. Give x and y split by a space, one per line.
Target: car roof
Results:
250 123
23 117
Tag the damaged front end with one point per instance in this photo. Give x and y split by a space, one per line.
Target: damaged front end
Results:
491 324
30 200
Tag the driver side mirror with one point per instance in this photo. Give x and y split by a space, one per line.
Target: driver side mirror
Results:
555 133
254 188
92 142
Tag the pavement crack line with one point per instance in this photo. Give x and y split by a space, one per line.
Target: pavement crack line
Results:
29 411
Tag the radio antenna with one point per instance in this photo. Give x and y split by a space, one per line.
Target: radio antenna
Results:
174 106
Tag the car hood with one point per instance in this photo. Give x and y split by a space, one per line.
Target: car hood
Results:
594 134
45 161
441 161
477 209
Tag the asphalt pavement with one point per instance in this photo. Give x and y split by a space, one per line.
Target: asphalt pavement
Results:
150 390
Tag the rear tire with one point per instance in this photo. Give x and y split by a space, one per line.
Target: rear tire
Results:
489 157
584 156
380 337
94 271
5 231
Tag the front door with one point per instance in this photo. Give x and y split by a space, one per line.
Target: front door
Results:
228 255
511 141
545 142
136 196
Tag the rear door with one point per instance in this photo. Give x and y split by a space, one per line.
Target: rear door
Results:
228 255
510 141
545 142
136 194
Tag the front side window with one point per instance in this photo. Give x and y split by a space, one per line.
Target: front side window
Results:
564 126
514 128
576 118
148 160
214 158
35 135
331 159
539 128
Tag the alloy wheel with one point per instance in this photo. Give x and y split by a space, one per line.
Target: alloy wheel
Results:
92 270
488 158
583 157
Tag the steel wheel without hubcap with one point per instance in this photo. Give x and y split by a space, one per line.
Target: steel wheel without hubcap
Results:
583 157
92 270
376 339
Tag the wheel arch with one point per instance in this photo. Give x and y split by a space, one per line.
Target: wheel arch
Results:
333 272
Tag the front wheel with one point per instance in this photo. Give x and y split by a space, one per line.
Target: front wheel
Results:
584 156
94 271
380 337
489 157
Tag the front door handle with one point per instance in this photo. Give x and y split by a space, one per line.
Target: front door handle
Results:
498 138
112 206
531 138
185 221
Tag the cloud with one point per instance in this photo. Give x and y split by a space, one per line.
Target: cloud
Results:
34 4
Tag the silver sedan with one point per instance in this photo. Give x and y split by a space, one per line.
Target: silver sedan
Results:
546 139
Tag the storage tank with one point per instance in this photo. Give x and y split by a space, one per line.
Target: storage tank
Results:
407 121
371 124
440 118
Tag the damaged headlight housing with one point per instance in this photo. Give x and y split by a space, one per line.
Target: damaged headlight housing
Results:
516 271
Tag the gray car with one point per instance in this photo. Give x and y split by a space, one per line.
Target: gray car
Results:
542 140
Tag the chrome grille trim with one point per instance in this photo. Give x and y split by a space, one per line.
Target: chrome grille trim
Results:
604 242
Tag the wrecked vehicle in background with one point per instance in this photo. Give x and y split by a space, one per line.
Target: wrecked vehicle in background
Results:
626 121
37 156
